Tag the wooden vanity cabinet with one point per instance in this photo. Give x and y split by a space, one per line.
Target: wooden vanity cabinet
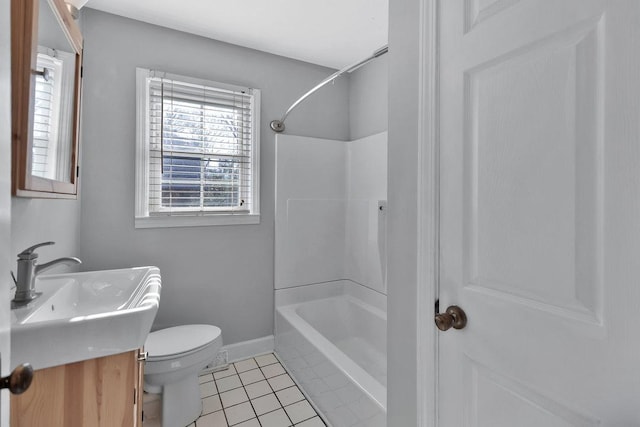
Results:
106 391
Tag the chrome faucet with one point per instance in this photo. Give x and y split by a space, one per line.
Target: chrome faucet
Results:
28 269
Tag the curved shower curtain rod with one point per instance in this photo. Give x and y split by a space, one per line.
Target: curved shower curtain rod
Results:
278 125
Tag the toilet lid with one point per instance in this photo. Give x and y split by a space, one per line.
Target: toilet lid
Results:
180 339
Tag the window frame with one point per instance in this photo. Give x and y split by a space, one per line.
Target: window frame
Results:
180 217
60 132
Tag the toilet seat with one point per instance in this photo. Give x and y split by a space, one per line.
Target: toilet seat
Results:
179 341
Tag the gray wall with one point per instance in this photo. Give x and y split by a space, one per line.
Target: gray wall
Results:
368 99
39 220
221 275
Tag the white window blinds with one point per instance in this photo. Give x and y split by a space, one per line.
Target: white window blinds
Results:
201 147
52 128
46 110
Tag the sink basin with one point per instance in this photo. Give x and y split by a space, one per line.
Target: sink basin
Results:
82 316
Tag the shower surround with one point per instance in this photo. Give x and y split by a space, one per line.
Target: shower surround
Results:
330 273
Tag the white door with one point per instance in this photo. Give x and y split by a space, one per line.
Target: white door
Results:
540 212
5 202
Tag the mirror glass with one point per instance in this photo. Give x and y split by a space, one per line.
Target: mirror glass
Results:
53 108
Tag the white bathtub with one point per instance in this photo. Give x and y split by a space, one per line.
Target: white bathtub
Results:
332 337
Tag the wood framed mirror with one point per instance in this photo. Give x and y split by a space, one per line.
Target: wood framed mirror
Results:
46 66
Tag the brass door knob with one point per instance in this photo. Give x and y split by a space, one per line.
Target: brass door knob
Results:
454 317
19 380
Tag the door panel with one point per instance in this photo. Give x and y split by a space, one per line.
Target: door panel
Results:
499 401
477 11
533 177
538 173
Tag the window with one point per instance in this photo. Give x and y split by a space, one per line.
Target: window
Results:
197 157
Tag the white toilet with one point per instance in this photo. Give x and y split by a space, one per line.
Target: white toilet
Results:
175 357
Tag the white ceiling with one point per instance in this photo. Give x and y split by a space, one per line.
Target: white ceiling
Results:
333 33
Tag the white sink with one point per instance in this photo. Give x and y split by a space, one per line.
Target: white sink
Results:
82 316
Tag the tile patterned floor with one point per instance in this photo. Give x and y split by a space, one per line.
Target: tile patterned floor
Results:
255 392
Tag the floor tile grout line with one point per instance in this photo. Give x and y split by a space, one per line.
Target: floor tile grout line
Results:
226 419
315 414
270 364
245 392
287 388
239 378
268 412
280 402
235 404
226 376
254 410
295 382
281 405
254 361
264 377
273 392
307 419
235 388
294 385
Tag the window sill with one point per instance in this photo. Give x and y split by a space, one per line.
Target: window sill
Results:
195 221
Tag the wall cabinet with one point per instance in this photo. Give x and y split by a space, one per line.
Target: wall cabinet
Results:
102 392
46 81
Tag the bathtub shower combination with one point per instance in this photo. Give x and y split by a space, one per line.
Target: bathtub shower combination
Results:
332 338
330 274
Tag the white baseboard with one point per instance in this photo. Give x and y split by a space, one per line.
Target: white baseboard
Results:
240 351
251 348
246 349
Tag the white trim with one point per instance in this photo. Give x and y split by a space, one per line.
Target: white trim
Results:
256 105
428 221
7 256
195 220
142 153
245 349
196 81
412 213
